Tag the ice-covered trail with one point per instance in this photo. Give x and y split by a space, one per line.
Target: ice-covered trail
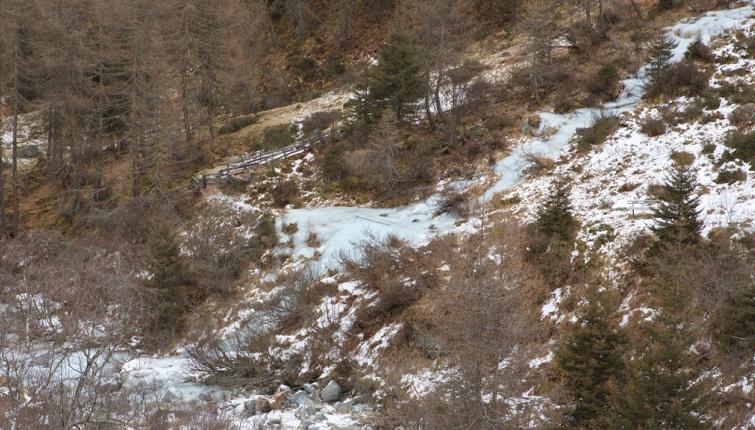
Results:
340 229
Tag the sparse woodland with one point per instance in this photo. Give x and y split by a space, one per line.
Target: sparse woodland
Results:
460 310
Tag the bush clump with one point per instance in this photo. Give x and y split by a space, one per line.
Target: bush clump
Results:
279 136
680 79
285 193
603 125
653 127
699 51
730 176
236 124
605 83
743 145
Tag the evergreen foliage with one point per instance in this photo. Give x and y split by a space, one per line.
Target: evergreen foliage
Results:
589 359
660 52
554 217
665 388
738 326
397 80
169 277
677 214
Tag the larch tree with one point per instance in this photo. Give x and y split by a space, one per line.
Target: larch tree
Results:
16 24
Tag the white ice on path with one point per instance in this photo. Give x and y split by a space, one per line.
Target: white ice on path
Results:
341 229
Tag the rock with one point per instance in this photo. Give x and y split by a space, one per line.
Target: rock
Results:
305 411
534 121
297 397
743 115
262 405
28 151
309 388
331 392
278 401
171 395
283 389
344 408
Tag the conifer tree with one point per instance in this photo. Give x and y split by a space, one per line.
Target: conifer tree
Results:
397 81
660 52
665 385
677 214
589 359
554 217
169 276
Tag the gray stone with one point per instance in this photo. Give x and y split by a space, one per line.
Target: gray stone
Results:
28 151
262 405
344 408
171 396
297 397
331 392
309 388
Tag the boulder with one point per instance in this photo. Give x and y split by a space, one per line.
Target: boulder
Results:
262 405
309 388
297 397
278 401
331 392
28 151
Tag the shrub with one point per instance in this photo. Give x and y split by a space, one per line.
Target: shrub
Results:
605 83
680 79
285 193
454 203
320 121
279 136
603 125
699 51
332 163
682 158
743 145
730 176
653 127
236 124
743 115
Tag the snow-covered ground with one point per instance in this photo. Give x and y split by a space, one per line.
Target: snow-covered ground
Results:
627 157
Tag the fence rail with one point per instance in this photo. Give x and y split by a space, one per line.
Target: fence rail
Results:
252 160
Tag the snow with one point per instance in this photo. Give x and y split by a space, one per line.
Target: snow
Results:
341 229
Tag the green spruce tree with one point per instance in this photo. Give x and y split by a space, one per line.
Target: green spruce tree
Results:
397 81
677 214
169 278
589 359
666 387
659 56
554 217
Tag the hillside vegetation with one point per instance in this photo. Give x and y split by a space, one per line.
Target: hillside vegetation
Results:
507 214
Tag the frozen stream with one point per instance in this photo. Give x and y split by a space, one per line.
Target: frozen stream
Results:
340 229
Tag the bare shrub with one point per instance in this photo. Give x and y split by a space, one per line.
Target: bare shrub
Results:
487 331
603 125
653 127
392 269
217 247
285 193
320 121
454 203
679 79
